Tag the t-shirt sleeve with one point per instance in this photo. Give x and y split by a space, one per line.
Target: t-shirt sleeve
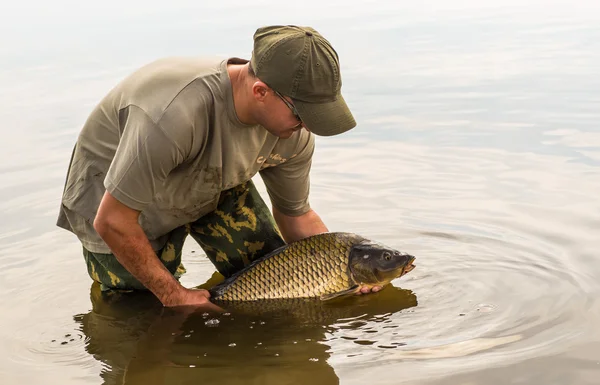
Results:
144 158
288 184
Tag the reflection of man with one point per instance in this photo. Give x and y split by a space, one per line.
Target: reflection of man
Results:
171 151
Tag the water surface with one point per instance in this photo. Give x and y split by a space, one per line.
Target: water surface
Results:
477 150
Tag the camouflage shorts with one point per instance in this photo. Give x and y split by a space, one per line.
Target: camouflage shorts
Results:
239 231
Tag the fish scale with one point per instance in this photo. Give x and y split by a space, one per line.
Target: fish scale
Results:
310 268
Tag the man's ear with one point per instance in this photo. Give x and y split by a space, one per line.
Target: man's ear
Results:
260 90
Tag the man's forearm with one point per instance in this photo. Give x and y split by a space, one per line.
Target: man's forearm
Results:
129 244
296 228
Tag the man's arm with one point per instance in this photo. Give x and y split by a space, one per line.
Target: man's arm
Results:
296 228
118 226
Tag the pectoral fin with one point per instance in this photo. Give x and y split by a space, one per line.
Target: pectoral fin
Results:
352 290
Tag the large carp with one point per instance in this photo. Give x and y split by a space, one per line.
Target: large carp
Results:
323 266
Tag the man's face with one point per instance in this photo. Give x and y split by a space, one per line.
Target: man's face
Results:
280 118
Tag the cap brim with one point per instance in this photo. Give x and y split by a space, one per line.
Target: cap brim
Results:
326 119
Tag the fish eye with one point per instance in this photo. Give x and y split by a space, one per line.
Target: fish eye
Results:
387 256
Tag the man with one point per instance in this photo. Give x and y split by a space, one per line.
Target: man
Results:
171 151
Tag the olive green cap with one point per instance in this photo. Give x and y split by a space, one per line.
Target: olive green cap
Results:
300 63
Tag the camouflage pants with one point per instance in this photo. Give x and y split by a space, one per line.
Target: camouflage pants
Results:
239 231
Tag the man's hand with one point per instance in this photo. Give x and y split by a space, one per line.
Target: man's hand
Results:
185 297
368 289
192 299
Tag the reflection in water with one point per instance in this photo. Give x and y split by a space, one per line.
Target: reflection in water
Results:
274 342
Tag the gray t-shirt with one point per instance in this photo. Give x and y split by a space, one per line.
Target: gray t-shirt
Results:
166 141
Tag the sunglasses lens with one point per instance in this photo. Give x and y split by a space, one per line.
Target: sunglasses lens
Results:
290 106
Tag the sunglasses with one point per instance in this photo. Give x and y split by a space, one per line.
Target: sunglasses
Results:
290 106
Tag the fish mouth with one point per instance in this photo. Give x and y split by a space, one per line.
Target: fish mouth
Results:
409 266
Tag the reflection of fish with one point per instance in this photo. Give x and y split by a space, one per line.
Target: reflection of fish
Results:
322 266
316 313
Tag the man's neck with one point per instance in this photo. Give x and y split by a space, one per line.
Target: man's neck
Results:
238 73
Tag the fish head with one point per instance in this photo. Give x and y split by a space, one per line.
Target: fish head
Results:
375 264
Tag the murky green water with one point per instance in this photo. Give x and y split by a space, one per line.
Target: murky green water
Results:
477 150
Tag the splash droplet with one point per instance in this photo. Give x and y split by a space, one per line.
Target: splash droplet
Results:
212 322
